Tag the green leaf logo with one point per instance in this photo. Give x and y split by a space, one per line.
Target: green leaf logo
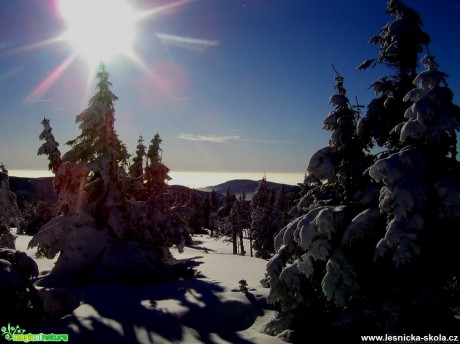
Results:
9 331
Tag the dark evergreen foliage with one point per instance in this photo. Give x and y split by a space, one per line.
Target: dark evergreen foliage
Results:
370 252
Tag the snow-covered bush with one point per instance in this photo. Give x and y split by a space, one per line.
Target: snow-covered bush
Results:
35 215
19 299
9 211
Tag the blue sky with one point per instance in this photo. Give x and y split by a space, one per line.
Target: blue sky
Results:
230 85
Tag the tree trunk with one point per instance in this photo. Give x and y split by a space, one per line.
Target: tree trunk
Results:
235 246
250 242
242 251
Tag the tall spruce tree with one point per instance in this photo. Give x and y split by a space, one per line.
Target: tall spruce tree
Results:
102 234
50 147
400 42
98 146
321 275
420 199
334 173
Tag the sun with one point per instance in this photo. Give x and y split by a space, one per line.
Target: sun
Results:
99 30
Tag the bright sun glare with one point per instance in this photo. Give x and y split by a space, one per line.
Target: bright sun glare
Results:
99 30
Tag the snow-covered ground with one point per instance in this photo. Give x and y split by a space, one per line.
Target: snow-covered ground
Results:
206 309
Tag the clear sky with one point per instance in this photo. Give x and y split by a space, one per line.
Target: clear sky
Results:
230 85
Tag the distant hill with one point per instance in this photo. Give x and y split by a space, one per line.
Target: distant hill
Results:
238 186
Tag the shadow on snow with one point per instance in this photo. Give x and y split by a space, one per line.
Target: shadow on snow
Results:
153 314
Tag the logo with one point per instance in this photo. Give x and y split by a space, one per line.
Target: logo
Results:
17 334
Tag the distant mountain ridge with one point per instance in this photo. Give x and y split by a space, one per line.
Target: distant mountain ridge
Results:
31 188
247 186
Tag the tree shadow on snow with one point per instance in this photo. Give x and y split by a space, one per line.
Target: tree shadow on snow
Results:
223 318
201 248
120 314
155 314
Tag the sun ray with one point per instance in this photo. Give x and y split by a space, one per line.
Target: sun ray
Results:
155 10
50 80
147 69
91 76
196 44
35 45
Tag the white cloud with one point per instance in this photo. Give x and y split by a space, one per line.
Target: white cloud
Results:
197 44
224 138
268 141
207 138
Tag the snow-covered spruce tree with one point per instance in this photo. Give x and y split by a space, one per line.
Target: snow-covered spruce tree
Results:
167 224
334 173
245 221
224 210
265 221
50 147
136 170
156 172
98 234
421 200
281 206
233 226
313 274
9 211
206 206
214 206
400 41
236 222
231 218
195 218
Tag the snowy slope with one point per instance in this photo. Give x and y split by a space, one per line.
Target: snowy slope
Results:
206 309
